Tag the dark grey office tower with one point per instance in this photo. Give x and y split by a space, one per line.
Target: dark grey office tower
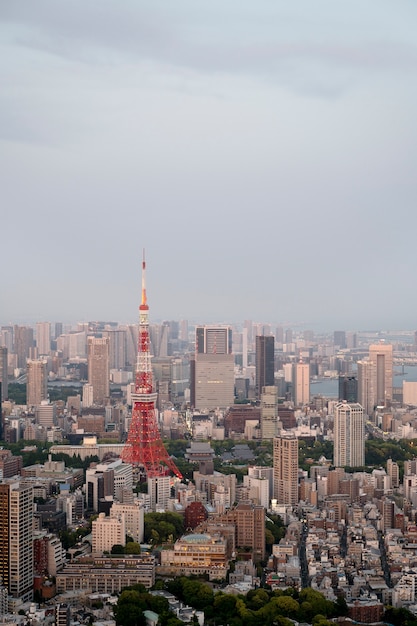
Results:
265 366
348 388
339 338
58 329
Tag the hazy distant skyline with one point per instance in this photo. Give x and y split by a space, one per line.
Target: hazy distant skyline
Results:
263 153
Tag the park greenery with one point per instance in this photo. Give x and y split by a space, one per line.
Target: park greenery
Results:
259 607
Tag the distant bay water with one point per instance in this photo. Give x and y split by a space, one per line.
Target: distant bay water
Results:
329 387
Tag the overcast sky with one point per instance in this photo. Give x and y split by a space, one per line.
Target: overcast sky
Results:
264 153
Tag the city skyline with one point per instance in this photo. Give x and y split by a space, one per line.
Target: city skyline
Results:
262 155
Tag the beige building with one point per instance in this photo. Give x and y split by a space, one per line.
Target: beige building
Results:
286 469
349 435
214 381
381 357
106 574
37 382
99 368
134 518
301 384
107 532
269 412
196 554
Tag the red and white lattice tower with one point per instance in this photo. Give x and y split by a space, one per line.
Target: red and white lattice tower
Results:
144 447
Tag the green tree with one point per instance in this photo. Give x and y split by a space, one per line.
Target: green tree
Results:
132 547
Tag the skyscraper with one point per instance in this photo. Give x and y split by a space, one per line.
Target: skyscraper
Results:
16 539
375 378
269 412
286 469
381 357
37 382
43 338
98 368
23 342
265 365
212 372
3 373
301 384
348 388
349 435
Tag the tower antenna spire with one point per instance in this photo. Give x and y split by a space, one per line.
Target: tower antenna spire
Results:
144 300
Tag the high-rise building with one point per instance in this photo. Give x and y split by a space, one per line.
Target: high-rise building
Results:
348 388
375 378
269 412
3 373
37 382
212 372
98 368
16 539
393 472
23 342
265 366
349 435
43 338
134 518
159 490
301 384
381 357
107 532
286 469
339 338
117 348
58 329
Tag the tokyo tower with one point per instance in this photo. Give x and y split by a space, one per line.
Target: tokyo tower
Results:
144 447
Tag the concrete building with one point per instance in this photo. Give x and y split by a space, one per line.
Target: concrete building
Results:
159 491
269 412
43 338
196 554
134 518
349 435
99 368
286 469
380 355
37 382
212 370
107 574
16 539
45 414
117 348
108 532
301 384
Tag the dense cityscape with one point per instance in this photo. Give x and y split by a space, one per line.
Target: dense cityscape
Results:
208 338
140 454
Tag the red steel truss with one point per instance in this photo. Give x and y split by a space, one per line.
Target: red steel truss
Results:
144 447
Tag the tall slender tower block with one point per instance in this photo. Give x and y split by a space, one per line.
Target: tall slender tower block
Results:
144 447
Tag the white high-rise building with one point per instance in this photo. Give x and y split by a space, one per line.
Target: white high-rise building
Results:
108 532
349 435
134 518
159 491
301 384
